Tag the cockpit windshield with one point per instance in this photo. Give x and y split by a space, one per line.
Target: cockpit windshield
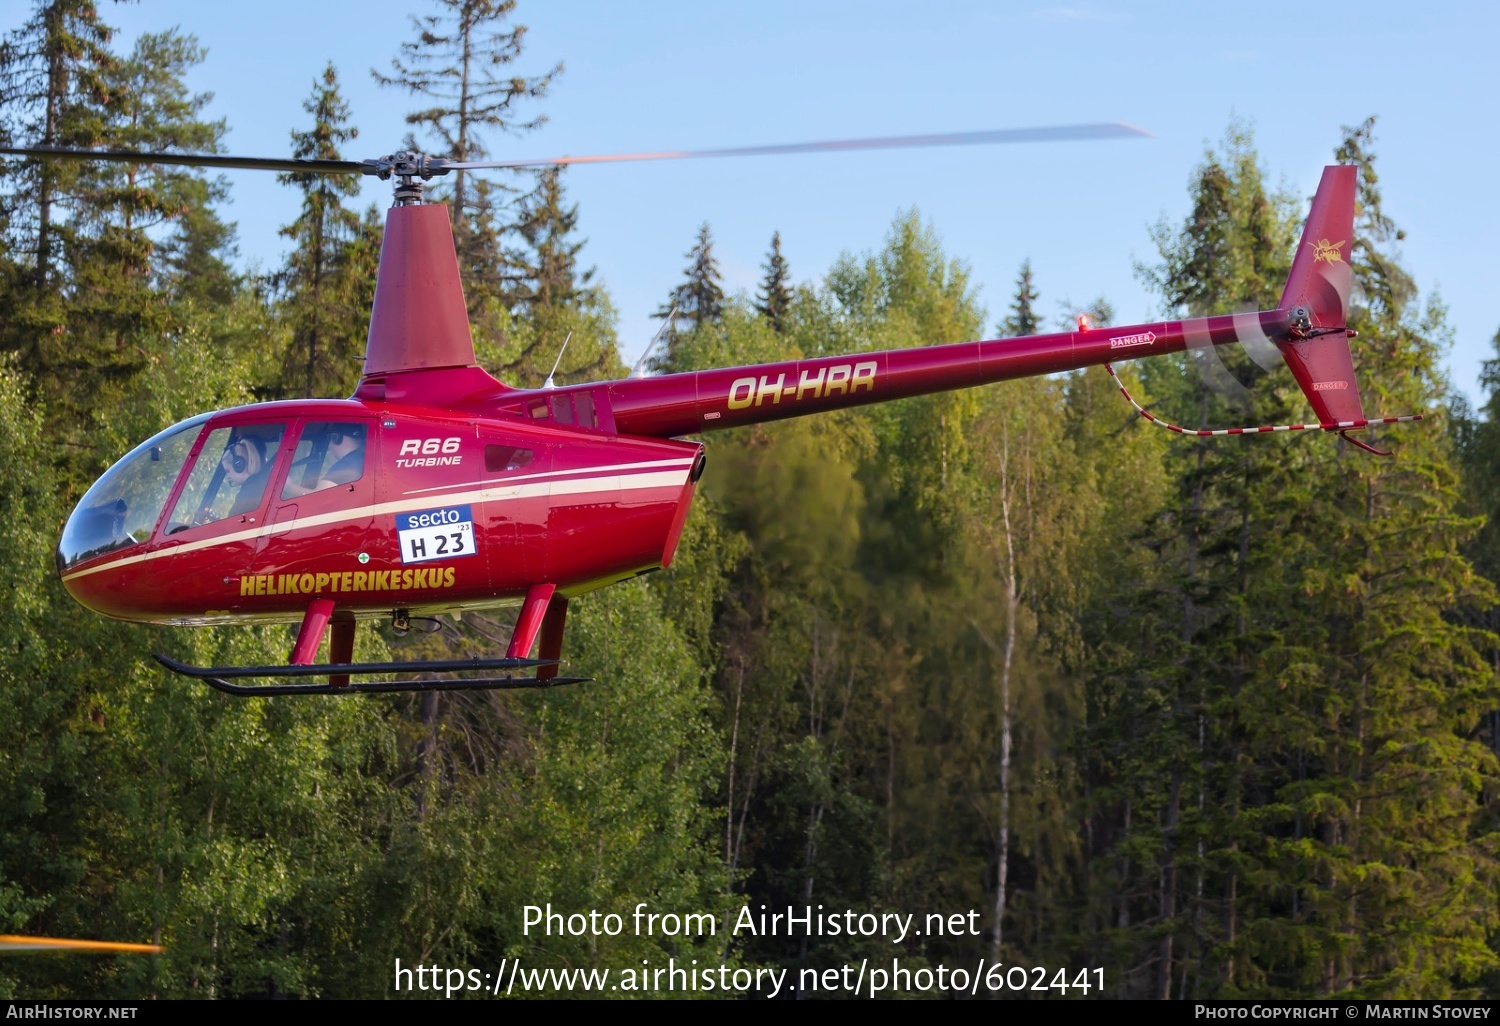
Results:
123 506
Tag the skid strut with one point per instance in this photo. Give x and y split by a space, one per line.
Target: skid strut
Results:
529 622
543 612
220 677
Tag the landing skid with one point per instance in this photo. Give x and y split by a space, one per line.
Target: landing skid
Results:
218 677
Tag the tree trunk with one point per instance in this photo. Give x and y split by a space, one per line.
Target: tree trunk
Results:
1167 909
734 740
57 86
1003 861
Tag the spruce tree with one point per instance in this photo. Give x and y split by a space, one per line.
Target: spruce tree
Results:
1478 436
555 310
1023 319
542 273
156 112
195 262
774 300
1286 795
86 302
123 209
53 92
318 288
460 64
1174 653
698 301
1402 684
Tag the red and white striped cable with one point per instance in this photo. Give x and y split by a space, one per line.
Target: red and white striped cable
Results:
1338 425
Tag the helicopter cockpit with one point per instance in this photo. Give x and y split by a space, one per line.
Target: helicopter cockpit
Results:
123 506
226 471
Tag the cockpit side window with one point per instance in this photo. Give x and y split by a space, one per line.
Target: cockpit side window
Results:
229 479
328 454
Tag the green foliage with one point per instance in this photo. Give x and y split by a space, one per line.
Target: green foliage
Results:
622 767
86 293
55 93
156 113
145 808
522 351
547 301
545 270
1284 793
1233 245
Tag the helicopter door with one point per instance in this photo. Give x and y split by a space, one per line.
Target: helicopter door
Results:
220 512
320 517
516 495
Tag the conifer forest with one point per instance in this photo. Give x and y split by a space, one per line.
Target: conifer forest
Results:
1207 718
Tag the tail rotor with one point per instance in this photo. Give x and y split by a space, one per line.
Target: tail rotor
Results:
1310 326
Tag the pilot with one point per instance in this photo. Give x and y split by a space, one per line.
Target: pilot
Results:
245 466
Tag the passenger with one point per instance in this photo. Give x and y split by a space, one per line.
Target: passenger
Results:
344 450
346 446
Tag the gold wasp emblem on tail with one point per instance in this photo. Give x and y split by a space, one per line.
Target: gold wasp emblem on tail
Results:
1325 250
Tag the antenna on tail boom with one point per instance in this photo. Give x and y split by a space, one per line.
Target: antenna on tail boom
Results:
549 383
639 370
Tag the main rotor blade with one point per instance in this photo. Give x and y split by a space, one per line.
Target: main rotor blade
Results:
321 167
429 167
1057 133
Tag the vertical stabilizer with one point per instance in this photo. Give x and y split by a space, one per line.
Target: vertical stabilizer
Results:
1316 301
419 320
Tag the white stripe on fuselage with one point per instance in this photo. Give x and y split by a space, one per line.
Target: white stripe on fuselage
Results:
620 478
577 471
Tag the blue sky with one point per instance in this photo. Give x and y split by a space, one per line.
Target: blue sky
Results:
664 74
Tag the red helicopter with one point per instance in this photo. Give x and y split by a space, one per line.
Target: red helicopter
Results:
435 488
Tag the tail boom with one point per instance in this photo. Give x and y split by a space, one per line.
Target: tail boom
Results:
680 404
1310 328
